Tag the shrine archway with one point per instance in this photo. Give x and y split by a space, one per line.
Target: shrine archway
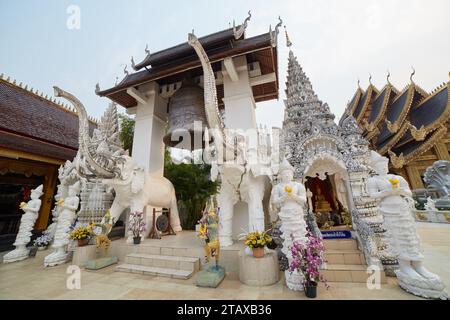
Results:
328 190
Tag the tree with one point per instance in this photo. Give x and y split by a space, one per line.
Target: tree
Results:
193 187
126 133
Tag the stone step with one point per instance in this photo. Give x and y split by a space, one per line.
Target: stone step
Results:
340 244
162 261
344 257
348 273
165 251
155 271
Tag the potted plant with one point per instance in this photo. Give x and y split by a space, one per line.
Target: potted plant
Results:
136 225
307 258
257 241
82 234
42 241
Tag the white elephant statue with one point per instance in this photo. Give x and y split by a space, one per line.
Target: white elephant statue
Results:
134 187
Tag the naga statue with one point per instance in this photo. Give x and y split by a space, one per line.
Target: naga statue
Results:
241 179
134 187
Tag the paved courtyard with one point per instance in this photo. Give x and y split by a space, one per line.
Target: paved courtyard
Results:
30 280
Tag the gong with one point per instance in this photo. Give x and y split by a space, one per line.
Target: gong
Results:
162 223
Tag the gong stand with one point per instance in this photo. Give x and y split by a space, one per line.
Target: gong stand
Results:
155 233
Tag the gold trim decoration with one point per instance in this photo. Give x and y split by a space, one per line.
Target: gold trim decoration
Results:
418 134
393 127
357 96
397 161
444 117
384 105
396 138
427 145
370 90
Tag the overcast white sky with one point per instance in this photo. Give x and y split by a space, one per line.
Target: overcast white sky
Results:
336 42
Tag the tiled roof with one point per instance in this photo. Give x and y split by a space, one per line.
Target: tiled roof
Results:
31 123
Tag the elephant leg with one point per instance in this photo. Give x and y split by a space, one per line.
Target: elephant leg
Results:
226 200
174 215
255 204
115 211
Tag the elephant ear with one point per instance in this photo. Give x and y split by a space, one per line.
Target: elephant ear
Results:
138 180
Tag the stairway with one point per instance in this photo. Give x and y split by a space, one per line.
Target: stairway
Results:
160 265
345 262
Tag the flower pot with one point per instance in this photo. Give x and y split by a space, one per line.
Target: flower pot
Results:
83 242
311 290
258 252
42 248
136 240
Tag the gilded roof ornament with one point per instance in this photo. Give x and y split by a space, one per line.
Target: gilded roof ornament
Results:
388 76
392 127
239 32
370 79
288 41
97 88
418 134
146 49
125 71
397 161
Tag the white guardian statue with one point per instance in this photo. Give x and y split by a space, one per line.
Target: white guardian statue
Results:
66 217
395 204
27 222
289 197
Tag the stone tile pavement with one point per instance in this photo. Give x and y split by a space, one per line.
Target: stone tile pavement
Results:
29 279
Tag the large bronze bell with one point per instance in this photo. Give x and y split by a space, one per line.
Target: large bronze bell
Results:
185 107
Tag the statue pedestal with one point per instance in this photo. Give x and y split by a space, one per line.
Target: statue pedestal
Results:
259 271
211 277
20 253
100 263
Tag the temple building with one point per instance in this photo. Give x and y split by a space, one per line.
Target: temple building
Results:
409 126
37 135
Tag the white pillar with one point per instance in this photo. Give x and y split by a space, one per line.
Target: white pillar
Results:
238 95
150 127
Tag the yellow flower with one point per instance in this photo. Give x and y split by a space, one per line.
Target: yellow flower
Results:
288 189
394 182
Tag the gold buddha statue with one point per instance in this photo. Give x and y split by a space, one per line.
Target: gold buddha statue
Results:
321 204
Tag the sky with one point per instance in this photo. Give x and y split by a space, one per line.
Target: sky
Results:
336 42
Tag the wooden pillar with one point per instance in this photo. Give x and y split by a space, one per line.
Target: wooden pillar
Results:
414 177
47 199
441 151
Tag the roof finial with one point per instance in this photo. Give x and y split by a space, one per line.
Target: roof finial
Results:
412 74
133 65
97 88
239 32
125 71
146 49
288 41
370 79
359 83
117 81
388 76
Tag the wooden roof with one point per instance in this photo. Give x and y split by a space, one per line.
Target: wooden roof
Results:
176 62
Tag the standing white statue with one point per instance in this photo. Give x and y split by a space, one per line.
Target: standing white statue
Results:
66 217
396 203
289 197
27 222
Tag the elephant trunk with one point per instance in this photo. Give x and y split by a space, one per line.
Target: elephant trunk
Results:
211 105
96 163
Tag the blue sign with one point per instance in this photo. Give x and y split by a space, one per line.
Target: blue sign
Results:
336 234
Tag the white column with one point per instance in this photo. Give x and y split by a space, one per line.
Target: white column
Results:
150 127
238 96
